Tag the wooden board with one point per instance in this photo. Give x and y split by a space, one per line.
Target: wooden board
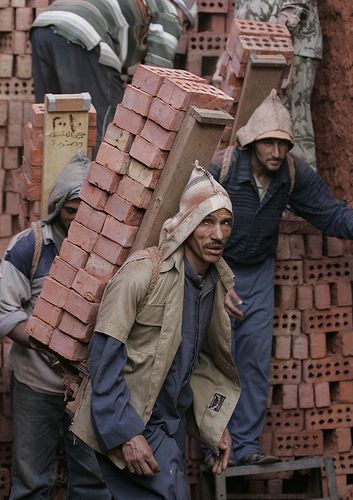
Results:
65 132
197 139
263 73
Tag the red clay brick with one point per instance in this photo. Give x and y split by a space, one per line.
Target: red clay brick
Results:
103 177
119 232
92 195
344 392
300 348
342 293
148 177
158 135
165 115
88 286
90 218
113 158
181 94
314 246
322 394
339 440
75 328
289 396
306 396
347 343
304 297
283 248
54 292
322 297
286 295
318 345
48 312
334 247
39 330
296 244
68 347
63 272
149 78
100 267
110 250
73 254
148 153
82 236
137 100
116 136
283 347
134 192
128 120
81 308
123 210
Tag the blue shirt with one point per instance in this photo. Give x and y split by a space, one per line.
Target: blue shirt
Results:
255 232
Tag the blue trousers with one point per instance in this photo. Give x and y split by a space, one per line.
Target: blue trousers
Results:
252 345
39 421
61 67
171 483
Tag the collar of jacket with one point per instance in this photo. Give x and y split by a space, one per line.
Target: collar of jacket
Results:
176 260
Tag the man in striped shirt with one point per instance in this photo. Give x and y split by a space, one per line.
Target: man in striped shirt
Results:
86 45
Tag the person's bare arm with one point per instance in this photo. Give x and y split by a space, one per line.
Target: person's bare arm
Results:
19 335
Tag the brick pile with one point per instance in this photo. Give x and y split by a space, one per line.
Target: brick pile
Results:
114 198
311 398
16 96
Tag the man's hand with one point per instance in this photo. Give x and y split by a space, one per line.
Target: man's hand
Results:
231 302
139 457
220 463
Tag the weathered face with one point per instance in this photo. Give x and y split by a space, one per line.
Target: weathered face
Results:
67 215
270 153
206 244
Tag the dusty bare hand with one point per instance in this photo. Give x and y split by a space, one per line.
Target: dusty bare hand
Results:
231 302
139 457
289 18
220 463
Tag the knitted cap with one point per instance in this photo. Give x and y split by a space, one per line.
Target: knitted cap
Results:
189 9
270 120
201 196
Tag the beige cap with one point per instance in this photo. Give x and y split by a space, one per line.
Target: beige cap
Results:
270 120
202 196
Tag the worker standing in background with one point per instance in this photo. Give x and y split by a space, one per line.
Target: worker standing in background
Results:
87 45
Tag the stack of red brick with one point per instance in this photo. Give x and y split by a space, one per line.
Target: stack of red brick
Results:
311 401
16 96
114 197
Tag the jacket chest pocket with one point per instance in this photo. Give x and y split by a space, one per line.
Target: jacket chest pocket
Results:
146 331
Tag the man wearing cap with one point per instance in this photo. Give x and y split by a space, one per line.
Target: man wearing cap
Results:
261 181
163 354
39 420
87 45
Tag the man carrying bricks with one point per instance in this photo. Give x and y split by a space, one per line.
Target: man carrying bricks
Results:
161 352
86 45
39 418
302 20
261 179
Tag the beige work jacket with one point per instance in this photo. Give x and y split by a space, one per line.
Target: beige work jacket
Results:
152 338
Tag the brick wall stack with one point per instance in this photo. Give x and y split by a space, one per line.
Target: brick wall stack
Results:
311 399
114 197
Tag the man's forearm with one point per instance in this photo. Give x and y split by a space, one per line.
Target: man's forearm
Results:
19 335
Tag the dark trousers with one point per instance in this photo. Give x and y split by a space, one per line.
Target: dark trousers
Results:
62 67
39 421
